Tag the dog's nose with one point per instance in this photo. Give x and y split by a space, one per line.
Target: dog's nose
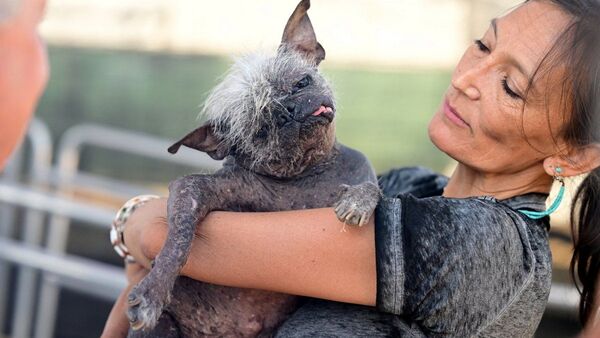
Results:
284 118
293 108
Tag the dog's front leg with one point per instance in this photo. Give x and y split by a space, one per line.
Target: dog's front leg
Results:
190 200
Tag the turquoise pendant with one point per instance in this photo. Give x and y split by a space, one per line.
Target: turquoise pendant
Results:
553 207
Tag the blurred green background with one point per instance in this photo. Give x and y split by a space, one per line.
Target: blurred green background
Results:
383 114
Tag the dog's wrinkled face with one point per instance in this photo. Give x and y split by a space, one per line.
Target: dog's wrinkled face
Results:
273 114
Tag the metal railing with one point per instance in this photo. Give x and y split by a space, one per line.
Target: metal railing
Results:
40 159
7 220
47 193
69 151
85 275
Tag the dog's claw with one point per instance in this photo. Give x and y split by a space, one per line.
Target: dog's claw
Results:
357 203
145 307
342 212
363 220
132 300
132 316
134 323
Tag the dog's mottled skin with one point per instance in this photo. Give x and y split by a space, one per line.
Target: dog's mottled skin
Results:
272 120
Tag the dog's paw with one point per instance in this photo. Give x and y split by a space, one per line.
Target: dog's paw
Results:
146 302
356 204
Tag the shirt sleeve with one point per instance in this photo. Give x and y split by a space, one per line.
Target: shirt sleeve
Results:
418 181
437 257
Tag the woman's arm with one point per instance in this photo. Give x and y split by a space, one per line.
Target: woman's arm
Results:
301 252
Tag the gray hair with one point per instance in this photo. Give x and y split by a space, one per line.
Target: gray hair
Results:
8 8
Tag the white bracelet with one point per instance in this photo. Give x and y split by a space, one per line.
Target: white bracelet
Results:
118 225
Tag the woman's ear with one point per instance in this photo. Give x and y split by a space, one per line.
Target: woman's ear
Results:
576 161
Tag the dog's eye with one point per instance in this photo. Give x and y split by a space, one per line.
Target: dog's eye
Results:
302 83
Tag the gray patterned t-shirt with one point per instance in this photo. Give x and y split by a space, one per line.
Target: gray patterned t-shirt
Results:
446 267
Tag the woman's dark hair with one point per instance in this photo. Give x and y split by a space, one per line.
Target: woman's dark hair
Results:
578 49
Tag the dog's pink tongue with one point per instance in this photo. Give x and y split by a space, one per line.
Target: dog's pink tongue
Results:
321 110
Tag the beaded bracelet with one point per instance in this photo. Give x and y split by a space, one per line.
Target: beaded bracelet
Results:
118 225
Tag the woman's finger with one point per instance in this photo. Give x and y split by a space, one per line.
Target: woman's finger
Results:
135 272
117 324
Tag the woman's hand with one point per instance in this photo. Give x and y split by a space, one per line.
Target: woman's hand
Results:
117 324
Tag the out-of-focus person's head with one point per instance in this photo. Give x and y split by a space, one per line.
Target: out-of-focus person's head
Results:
8 9
23 69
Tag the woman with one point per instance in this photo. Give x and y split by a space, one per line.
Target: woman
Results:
462 256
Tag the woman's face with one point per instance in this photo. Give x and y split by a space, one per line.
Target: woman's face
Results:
481 122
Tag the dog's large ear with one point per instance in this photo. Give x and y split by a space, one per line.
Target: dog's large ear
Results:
300 35
203 139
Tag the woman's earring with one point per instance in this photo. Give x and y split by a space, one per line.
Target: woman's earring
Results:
555 204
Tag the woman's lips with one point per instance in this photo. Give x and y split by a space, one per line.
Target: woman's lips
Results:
453 116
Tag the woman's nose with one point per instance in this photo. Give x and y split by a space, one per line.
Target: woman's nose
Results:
468 80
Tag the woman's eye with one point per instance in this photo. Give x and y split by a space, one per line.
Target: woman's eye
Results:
509 91
482 47
305 81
